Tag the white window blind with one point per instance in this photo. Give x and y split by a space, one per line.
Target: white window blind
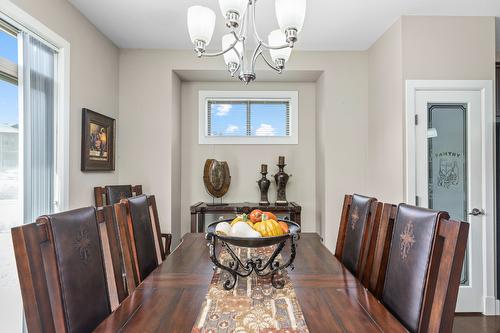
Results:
248 117
38 128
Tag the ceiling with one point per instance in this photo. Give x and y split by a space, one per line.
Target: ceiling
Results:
329 25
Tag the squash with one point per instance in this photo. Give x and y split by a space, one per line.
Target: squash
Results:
255 216
283 226
240 218
268 228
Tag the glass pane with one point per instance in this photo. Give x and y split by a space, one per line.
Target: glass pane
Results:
269 118
8 46
228 119
447 133
11 315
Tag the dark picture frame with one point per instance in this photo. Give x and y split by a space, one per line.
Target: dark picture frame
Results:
98 142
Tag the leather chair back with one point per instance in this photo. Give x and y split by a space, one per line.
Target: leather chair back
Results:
354 231
112 194
408 263
143 235
115 193
62 273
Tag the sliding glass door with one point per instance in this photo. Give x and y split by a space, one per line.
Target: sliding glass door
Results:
27 146
11 315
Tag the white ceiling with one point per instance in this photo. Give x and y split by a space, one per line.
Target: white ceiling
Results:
329 25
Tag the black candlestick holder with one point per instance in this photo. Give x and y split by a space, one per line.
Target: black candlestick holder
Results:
264 184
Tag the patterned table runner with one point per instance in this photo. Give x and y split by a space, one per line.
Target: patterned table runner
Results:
254 305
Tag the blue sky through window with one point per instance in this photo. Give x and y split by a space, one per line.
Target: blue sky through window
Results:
229 119
266 119
8 46
8 91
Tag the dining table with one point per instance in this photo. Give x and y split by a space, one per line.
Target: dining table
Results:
331 298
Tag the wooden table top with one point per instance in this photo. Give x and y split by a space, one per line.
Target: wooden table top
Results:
332 300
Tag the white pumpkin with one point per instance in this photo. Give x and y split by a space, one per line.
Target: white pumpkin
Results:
223 228
242 229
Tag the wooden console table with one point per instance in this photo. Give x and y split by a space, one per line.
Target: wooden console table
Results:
202 214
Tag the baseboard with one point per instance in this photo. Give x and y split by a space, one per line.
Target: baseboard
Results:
491 306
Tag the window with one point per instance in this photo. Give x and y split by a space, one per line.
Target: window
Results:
248 117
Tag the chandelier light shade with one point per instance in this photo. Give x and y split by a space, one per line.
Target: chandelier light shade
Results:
240 20
277 38
290 14
201 24
232 10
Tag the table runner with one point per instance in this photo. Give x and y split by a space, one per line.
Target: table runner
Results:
254 305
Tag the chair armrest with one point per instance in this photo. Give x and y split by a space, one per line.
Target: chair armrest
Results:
168 241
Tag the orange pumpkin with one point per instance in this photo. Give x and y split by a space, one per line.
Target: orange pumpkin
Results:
283 226
270 216
255 216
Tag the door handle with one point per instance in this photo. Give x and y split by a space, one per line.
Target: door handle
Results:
476 212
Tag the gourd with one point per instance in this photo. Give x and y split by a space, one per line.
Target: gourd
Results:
242 229
268 228
223 228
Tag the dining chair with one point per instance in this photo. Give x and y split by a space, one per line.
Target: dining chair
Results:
358 215
139 228
423 270
378 250
62 272
111 194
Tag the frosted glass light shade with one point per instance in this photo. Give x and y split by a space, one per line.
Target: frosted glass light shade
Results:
290 14
278 38
231 56
201 23
237 6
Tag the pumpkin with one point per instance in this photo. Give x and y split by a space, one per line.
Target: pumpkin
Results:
270 216
283 226
239 218
255 216
268 228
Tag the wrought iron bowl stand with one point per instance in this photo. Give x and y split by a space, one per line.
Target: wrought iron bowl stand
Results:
236 267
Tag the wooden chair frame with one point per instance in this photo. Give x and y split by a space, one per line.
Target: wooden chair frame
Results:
101 198
378 249
443 277
365 257
37 269
131 265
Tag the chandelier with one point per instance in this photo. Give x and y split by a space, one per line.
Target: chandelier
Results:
240 21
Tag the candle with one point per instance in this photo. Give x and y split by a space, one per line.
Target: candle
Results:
263 168
281 160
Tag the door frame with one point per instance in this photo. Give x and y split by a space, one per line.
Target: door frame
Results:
485 87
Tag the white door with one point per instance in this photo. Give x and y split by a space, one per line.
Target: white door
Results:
449 174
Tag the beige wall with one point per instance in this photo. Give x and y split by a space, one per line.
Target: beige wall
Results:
245 160
448 48
417 47
94 83
147 112
385 116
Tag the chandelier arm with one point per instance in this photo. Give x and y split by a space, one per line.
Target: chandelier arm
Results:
230 47
279 70
256 53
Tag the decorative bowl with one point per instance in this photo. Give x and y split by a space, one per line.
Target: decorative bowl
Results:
272 266
293 229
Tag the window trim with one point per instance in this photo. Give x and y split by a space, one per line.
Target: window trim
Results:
22 21
205 95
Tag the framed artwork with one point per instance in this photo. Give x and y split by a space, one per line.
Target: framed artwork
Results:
98 142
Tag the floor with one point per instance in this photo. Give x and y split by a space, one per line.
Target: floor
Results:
476 323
